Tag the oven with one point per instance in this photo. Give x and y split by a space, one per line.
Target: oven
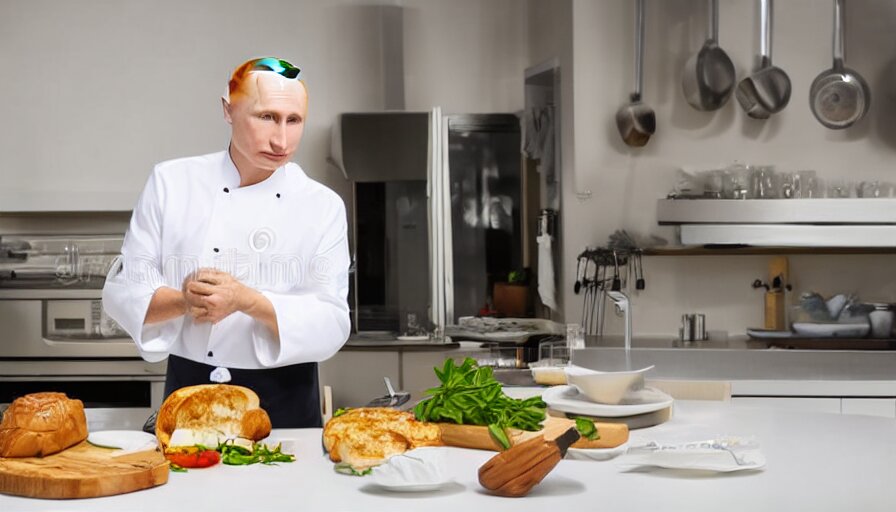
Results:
55 335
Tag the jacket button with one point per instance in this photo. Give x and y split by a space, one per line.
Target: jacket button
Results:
210 353
278 195
216 249
226 190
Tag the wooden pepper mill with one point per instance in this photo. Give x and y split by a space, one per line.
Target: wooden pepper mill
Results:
775 298
515 472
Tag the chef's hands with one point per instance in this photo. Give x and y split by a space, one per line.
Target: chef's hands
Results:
213 295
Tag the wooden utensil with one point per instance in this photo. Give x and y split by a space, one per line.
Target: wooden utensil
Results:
82 471
515 472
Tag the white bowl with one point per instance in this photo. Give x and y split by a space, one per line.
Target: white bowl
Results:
605 387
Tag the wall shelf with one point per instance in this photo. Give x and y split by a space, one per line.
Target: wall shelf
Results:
730 250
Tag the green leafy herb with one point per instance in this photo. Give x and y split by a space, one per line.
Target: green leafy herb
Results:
235 455
346 469
339 412
470 395
587 429
177 469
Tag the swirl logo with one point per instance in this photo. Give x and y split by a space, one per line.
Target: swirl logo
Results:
261 239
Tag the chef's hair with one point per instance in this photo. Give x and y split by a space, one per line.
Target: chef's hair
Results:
237 84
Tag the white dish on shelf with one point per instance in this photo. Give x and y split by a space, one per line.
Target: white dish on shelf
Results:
822 330
599 454
568 399
768 334
403 337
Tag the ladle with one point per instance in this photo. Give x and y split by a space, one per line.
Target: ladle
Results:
708 79
767 90
636 121
839 96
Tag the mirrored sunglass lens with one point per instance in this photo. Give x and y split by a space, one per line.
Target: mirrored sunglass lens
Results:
291 72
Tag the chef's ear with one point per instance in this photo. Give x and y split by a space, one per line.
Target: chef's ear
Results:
226 106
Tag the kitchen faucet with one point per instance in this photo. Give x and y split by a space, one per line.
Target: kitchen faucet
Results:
624 306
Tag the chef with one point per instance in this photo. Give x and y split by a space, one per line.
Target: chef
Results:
235 264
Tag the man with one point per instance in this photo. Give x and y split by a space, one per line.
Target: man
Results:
236 263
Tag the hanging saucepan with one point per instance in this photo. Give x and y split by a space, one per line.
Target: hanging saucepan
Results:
636 121
708 79
839 96
767 90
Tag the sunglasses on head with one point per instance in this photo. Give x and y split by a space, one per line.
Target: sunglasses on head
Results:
281 67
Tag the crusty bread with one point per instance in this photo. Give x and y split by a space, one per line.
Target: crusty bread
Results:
233 411
42 424
366 436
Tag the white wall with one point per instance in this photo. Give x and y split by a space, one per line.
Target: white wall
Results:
108 88
625 182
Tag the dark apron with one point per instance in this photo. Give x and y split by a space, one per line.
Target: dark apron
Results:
289 394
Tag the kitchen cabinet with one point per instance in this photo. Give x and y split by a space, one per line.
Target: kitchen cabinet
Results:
356 376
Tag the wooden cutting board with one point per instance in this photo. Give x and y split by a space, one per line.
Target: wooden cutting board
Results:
82 471
478 437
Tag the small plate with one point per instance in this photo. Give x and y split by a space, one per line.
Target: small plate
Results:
820 330
568 399
125 440
768 334
596 453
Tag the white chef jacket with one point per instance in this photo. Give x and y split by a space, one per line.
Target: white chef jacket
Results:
285 237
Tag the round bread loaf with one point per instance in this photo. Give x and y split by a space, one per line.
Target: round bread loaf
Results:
42 424
232 411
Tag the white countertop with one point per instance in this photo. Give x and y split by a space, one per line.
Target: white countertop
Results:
815 462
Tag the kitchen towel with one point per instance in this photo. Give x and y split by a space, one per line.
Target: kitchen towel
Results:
546 286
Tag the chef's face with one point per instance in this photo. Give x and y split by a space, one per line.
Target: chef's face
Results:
267 121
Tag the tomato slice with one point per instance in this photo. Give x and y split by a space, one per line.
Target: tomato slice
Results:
194 459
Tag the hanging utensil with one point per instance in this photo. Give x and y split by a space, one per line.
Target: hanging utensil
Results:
767 90
839 97
617 282
640 283
708 79
636 121
577 287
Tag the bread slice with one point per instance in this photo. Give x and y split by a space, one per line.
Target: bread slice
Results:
231 411
367 436
42 424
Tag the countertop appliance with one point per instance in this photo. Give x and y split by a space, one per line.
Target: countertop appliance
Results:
57 337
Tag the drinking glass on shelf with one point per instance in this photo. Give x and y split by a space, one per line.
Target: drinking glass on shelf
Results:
738 182
788 185
839 188
764 180
806 185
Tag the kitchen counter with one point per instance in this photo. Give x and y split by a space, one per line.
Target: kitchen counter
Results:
815 462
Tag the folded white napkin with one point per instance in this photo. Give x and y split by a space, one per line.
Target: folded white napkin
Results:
421 466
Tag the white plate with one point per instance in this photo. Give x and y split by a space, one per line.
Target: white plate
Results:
768 334
125 440
819 330
568 399
694 457
596 453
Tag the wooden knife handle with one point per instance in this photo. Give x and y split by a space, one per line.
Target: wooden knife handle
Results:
515 472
